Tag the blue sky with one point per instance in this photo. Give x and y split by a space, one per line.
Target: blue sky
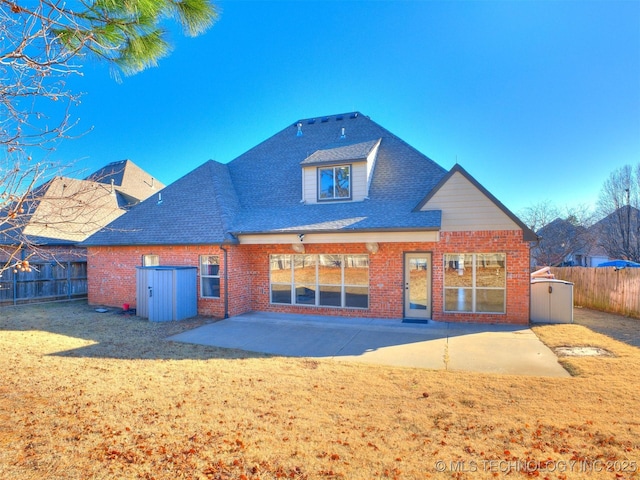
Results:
537 100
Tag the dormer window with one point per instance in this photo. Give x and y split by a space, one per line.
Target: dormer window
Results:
339 172
334 183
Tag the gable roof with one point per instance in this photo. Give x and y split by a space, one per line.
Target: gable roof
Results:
129 180
560 226
341 152
617 216
606 234
528 234
260 192
267 179
195 209
65 211
559 239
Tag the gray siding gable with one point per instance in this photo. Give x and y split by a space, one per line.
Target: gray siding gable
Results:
528 234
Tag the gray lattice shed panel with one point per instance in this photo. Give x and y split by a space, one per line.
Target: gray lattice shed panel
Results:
166 293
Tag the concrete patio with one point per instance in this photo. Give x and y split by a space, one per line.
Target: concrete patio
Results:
501 349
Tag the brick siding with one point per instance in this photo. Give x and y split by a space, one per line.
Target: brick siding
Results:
112 275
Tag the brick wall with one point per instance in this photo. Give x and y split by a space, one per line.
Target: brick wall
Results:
111 272
518 280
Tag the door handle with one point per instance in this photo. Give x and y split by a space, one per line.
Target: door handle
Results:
150 292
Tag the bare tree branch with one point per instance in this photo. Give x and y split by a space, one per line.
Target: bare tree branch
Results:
42 44
618 204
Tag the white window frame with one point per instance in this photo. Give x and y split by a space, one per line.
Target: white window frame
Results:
474 288
334 168
291 283
204 276
150 260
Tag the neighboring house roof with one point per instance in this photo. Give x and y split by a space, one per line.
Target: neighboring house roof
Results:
71 210
261 191
606 234
65 211
562 230
131 182
196 209
612 221
560 241
597 251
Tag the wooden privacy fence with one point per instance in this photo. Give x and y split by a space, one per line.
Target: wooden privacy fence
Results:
46 281
605 289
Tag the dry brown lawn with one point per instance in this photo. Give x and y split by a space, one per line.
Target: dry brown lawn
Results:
85 395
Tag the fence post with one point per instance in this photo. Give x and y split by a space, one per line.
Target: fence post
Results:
69 279
15 288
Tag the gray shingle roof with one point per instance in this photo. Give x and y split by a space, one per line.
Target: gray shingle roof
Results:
196 209
65 211
341 152
261 190
62 211
128 179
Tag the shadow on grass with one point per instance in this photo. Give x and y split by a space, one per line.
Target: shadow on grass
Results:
618 327
112 335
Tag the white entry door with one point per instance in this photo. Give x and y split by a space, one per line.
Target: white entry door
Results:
417 285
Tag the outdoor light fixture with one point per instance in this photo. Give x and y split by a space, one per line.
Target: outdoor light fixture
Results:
297 247
372 247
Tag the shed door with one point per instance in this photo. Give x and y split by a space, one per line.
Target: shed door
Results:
417 285
161 289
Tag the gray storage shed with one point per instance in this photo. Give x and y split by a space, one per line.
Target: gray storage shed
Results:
166 293
551 301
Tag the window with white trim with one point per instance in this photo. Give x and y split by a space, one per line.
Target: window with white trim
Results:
475 282
209 276
334 183
150 260
320 280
